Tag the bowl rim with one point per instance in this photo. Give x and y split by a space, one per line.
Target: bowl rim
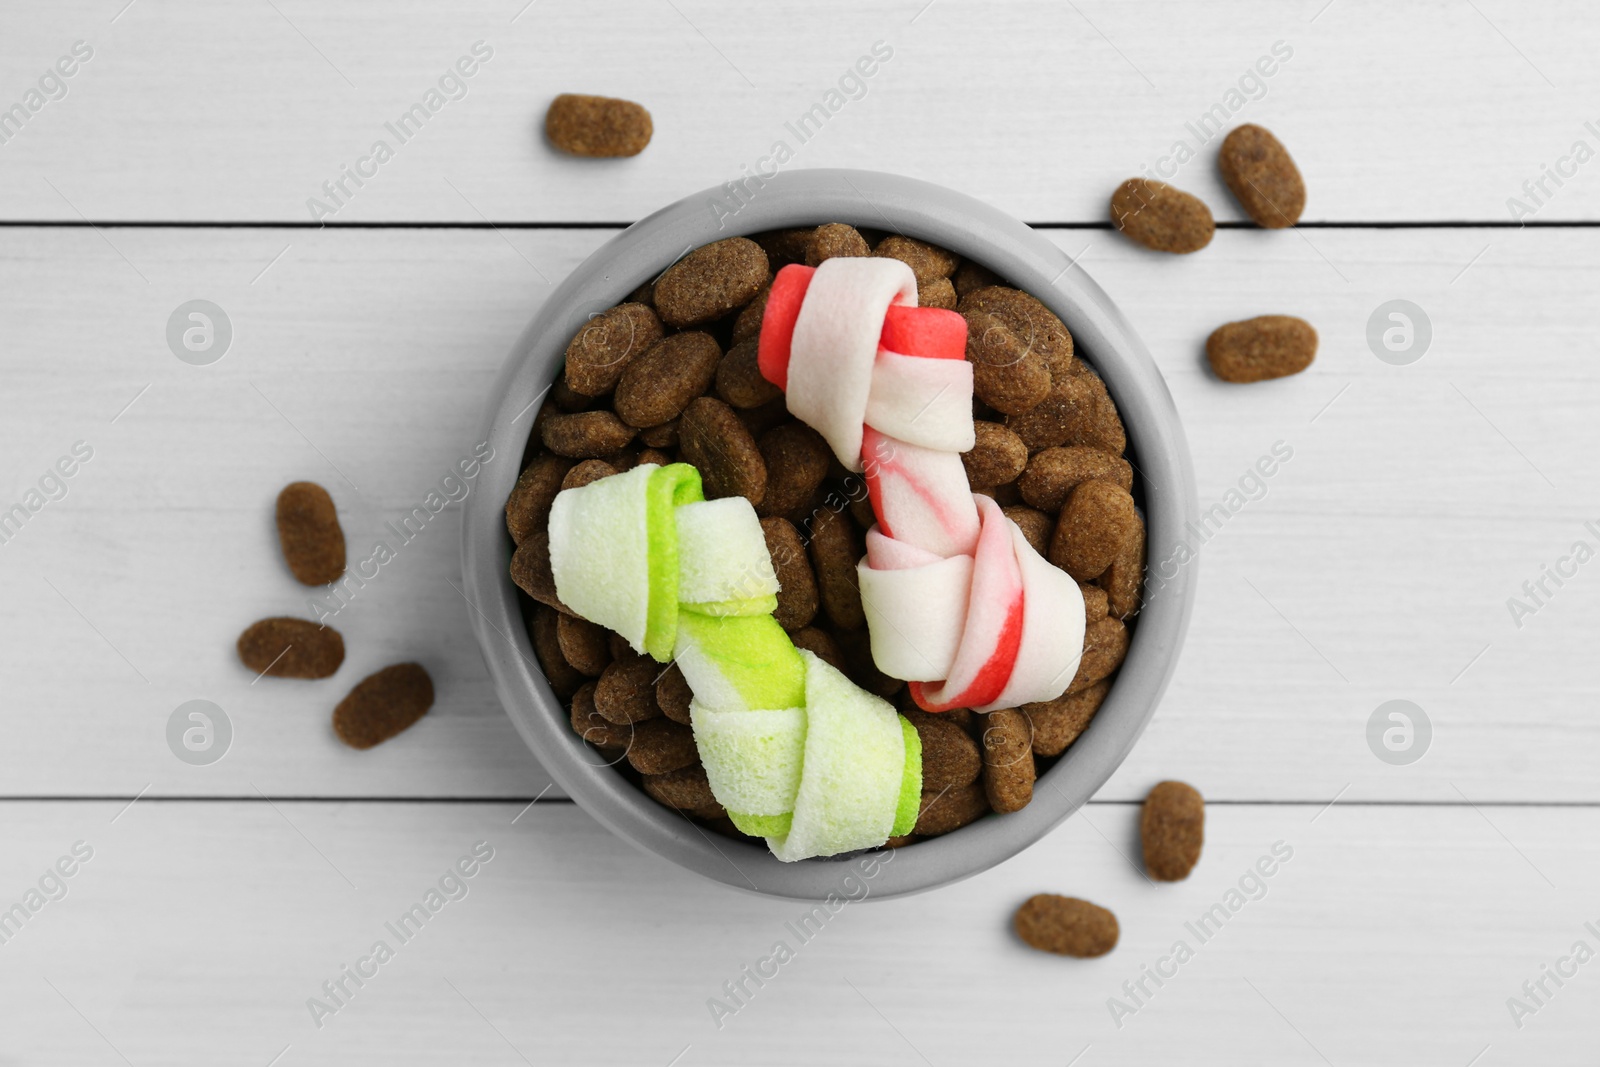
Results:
873 200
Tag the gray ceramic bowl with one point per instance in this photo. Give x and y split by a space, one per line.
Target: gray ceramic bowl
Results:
917 209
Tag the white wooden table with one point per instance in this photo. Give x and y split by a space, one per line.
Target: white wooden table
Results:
1378 565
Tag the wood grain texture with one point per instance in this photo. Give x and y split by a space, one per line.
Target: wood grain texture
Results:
1379 940
1377 566
221 112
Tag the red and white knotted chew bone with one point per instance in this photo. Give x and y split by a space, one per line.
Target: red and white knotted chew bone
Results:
957 600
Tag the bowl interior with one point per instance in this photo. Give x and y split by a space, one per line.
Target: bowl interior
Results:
1164 484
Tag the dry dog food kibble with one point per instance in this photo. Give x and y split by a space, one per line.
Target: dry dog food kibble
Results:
797 461
950 758
383 704
1105 646
739 379
1078 411
583 645
601 350
1066 926
1035 525
594 728
661 746
1098 519
673 695
997 458
291 648
626 692
544 631
1008 771
835 550
1255 350
1261 175
1059 722
711 281
597 126
585 435
928 262
1160 217
581 474
309 532
1053 473
659 384
1172 827
712 438
797 586
835 239
528 508
1036 325
950 809
1008 374
686 789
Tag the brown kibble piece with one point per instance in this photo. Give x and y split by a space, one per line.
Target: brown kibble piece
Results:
928 262
796 458
601 350
997 457
1105 646
711 437
661 746
663 436
657 386
784 246
1007 373
1123 581
1078 411
528 506
1261 175
1262 348
1008 772
1035 325
597 126
972 277
1066 926
654 456
797 592
938 293
673 695
1172 827
1035 525
950 758
711 281
585 435
1059 722
530 570
739 379
588 724
685 789
833 240
1096 603
768 416
383 704
747 326
582 474
820 644
544 630
283 647
1098 520
950 809
834 553
583 644
1053 473
626 692
566 399
309 533
855 648
1161 217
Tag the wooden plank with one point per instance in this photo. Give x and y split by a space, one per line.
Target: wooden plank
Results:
1386 936
1377 566
210 112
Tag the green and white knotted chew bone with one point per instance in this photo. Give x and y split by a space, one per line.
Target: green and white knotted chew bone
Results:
795 751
